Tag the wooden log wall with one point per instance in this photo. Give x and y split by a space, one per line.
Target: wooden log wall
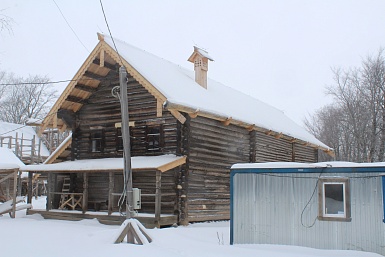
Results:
145 180
103 110
271 149
213 148
304 153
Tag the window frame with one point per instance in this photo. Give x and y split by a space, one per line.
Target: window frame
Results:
101 138
119 139
150 136
322 215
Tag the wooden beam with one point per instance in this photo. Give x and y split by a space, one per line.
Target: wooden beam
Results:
75 99
85 192
194 114
278 136
47 121
94 76
86 88
173 164
54 120
227 121
159 108
178 116
110 191
250 128
67 116
107 65
101 58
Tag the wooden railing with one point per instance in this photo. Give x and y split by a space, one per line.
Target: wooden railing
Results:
28 150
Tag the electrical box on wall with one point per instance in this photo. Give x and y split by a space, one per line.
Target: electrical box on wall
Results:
137 197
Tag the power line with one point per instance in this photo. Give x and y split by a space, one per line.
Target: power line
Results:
34 83
51 82
70 26
108 27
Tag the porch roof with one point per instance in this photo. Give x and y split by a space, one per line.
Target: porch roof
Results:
161 163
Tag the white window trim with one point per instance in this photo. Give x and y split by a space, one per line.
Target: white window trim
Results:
324 200
322 215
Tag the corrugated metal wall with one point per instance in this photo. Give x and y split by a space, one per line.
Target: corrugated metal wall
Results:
267 210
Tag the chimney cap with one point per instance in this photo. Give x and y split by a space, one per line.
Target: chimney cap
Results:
201 52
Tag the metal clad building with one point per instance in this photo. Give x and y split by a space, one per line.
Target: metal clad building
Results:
340 207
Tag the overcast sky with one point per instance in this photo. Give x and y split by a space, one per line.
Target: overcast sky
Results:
280 52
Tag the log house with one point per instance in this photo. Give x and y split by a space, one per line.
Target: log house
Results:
173 112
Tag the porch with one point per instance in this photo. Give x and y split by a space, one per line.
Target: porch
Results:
90 189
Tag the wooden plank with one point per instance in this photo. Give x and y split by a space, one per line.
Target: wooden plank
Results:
86 88
178 116
101 58
159 108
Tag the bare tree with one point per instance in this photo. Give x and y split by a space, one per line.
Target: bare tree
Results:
26 98
354 125
5 22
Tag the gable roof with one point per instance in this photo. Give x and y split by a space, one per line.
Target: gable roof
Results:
176 89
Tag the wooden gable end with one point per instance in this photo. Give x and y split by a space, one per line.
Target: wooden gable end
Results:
96 134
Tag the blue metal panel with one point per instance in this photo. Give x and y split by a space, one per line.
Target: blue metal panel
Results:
351 170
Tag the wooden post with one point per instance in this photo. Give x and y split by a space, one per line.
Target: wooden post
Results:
33 149
158 197
16 145
29 198
85 192
19 186
14 194
110 191
38 153
49 191
21 146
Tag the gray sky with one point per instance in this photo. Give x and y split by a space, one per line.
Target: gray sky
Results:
280 52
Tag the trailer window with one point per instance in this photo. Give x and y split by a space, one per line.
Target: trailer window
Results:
334 199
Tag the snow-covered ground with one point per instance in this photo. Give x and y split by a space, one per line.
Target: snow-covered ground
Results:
34 236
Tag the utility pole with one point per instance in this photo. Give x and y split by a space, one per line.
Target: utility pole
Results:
126 148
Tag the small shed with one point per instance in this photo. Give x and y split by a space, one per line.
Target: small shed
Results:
335 205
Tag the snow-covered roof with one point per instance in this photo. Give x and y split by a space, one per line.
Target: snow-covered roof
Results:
8 160
11 129
161 163
178 85
285 165
63 145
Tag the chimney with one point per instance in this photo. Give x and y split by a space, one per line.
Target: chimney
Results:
200 58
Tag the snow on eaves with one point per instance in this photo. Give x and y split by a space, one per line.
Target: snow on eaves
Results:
294 165
178 85
137 162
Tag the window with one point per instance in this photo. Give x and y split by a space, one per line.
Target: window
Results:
119 139
97 141
334 199
154 138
